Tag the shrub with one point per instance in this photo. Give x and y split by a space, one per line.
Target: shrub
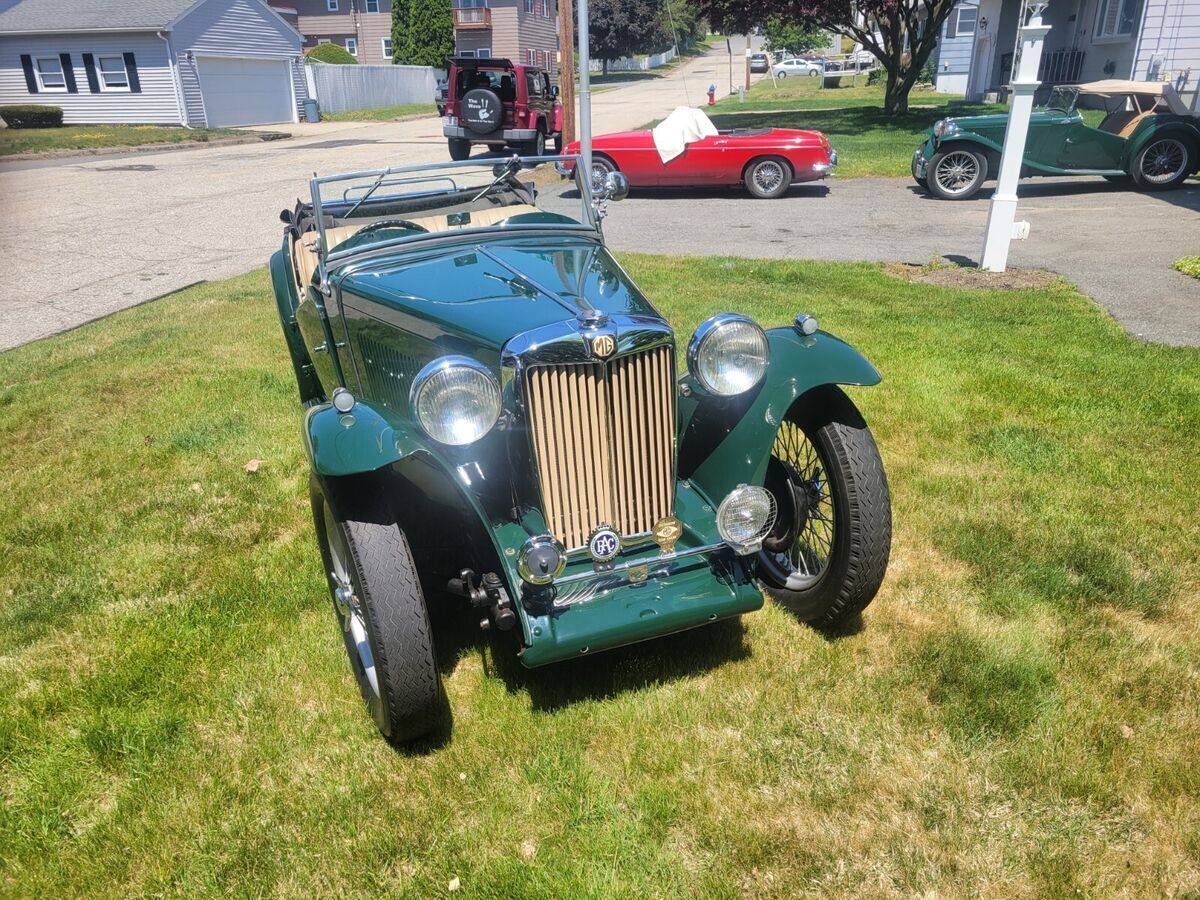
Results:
875 76
331 53
32 116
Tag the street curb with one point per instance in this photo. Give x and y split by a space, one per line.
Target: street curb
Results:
147 148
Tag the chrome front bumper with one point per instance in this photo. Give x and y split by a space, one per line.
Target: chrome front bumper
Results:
919 162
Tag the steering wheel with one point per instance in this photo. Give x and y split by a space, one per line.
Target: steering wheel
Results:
390 223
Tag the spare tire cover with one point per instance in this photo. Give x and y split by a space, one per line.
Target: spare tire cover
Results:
482 110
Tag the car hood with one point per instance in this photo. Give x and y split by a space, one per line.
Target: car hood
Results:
479 295
992 121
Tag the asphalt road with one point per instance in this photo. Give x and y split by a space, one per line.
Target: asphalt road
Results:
1116 244
87 236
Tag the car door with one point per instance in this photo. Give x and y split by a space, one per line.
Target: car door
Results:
1086 148
701 163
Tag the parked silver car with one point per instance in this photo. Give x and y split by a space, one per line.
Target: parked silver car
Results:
808 67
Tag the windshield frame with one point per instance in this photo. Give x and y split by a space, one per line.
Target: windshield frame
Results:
1070 109
368 181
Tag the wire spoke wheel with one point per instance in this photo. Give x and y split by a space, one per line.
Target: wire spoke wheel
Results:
801 544
768 176
957 171
1164 161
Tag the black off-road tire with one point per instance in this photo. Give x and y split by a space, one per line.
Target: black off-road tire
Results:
411 701
858 489
970 187
558 143
757 171
536 147
1143 164
460 149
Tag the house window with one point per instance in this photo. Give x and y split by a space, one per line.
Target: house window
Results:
387 48
467 54
331 5
371 5
962 22
112 73
1117 19
483 53
352 46
50 74
531 57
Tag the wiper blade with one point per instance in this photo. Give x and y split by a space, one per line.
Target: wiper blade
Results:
502 171
378 182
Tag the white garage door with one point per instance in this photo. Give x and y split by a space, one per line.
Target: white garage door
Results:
241 91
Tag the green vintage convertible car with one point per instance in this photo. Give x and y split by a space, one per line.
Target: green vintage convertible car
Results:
1144 134
493 419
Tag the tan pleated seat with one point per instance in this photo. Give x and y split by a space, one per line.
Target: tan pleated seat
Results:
304 251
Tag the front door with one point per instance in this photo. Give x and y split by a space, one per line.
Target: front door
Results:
700 163
1087 148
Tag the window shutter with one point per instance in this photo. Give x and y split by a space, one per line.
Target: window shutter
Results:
68 73
30 80
135 86
89 67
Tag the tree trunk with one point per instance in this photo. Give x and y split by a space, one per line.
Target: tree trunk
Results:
606 67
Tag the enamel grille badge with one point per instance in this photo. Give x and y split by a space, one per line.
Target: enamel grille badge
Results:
604 545
603 345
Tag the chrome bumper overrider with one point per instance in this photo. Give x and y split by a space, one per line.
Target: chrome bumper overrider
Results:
920 163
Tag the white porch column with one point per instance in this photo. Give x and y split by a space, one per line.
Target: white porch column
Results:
1002 214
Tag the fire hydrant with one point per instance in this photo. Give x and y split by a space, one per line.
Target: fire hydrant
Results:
712 94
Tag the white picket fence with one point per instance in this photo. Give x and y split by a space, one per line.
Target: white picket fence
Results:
347 88
634 63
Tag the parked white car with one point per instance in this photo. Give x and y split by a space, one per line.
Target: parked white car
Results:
807 67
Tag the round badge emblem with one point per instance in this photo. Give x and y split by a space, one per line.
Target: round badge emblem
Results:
604 545
603 345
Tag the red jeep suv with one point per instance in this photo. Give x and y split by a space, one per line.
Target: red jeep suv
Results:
493 102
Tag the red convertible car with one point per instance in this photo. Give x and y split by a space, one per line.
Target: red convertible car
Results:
766 160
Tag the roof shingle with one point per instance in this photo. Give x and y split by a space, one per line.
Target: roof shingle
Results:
88 15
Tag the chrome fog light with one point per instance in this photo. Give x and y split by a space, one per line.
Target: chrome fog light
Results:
744 518
541 559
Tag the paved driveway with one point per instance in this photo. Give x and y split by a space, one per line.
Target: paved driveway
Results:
1116 244
85 237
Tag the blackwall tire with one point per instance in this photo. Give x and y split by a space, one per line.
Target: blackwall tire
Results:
768 177
1164 163
384 622
847 486
536 147
459 149
956 173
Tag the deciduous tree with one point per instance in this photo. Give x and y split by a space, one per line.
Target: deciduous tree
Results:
901 34
422 32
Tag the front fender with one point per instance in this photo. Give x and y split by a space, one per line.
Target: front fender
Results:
350 443
1151 130
725 442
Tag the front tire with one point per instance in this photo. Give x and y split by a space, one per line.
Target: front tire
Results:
768 178
956 174
459 149
825 557
536 147
1163 164
381 609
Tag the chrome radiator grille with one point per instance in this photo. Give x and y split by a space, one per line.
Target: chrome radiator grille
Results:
603 438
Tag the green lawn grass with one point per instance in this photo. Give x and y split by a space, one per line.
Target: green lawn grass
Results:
79 137
382 113
1189 265
1017 714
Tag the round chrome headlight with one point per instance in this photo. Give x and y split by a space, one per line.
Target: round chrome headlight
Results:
745 516
728 354
456 400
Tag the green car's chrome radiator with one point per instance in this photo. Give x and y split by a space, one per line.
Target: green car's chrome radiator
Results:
603 437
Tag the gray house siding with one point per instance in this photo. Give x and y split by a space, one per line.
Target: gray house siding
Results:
232 28
155 104
1169 46
954 55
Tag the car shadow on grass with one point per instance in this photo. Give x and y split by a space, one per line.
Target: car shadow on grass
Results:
621 670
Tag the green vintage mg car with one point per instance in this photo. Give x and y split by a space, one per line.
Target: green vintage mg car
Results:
494 420
1136 130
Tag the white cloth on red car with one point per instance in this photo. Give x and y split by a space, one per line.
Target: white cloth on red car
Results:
685 125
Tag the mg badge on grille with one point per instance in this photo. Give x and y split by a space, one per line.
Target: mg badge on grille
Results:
604 544
666 533
603 345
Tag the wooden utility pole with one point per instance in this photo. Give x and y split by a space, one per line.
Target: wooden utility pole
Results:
566 67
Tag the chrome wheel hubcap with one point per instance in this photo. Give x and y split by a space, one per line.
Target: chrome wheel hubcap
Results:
956 172
1163 161
768 176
